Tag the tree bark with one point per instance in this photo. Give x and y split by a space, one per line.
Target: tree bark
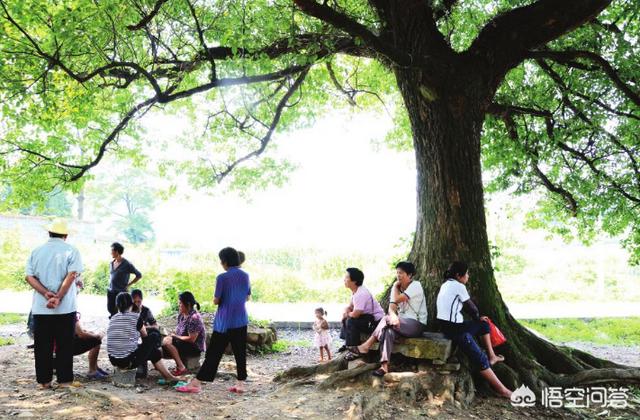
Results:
446 122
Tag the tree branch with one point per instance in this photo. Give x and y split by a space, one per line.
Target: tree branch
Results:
506 39
353 28
282 104
567 56
147 18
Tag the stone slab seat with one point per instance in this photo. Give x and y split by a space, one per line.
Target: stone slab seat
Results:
123 377
431 346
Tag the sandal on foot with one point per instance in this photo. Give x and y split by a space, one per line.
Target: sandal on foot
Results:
236 390
102 371
179 372
97 375
379 372
351 356
163 381
500 358
189 389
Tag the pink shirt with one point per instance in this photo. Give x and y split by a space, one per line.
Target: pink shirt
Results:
362 300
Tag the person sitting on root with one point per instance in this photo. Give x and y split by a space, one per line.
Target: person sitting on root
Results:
363 313
452 299
407 317
189 338
125 328
86 341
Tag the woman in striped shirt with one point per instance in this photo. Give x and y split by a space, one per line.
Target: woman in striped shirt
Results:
125 328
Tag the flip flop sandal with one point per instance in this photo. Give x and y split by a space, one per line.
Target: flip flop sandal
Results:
379 372
236 390
180 383
188 389
163 381
97 375
176 372
102 371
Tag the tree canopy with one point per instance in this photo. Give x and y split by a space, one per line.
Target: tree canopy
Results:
76 77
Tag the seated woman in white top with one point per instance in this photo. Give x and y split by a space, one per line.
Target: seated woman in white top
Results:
453 298
407 316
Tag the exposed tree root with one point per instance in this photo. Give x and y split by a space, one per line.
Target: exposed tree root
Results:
335 365
345 377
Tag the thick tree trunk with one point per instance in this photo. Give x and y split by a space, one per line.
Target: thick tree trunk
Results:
447 124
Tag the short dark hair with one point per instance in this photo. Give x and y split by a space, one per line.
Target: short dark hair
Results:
356 275
407 267
188 300
117 246
456 269
136 292
241 257
57 235
229 256
123 301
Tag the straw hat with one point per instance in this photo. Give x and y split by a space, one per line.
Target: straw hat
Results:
58 226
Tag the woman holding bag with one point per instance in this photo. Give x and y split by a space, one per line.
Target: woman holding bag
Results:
452 299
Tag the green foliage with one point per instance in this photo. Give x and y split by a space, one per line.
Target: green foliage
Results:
283 346
200 283
616 331
7 341
12 318
57 204
96 280
13 257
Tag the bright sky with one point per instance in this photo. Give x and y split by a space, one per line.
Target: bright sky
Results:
347 194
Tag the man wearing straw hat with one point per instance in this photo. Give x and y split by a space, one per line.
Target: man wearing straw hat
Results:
51 271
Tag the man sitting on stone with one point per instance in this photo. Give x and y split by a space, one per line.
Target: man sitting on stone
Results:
86 341
362 314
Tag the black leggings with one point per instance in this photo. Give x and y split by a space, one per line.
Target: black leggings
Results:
145 351
215 350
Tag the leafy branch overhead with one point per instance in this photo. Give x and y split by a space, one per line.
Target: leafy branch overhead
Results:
556 81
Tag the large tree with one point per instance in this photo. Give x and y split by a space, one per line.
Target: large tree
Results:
551 84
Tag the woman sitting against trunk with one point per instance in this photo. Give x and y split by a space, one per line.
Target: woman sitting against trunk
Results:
407 317
453 298
189 338
125 329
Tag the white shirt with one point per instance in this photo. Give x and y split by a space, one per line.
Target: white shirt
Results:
416 306
51 263
451 296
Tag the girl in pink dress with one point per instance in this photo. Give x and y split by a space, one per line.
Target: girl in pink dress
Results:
322 338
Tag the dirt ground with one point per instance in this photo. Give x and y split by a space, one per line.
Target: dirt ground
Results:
264 398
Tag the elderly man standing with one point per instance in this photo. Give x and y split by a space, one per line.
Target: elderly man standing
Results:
51 271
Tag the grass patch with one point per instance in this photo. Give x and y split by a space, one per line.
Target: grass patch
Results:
12 318
6 341
616 331
281 346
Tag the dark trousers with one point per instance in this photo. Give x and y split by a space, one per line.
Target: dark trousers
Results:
462 334
111 301
47 330
353 327
215 350
145 351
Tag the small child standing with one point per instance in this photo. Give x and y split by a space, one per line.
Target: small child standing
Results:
322 338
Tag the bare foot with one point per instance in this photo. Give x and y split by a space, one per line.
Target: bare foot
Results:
505 393
44 386
497 358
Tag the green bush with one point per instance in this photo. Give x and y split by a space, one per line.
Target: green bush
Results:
13 259
200 283
96 280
